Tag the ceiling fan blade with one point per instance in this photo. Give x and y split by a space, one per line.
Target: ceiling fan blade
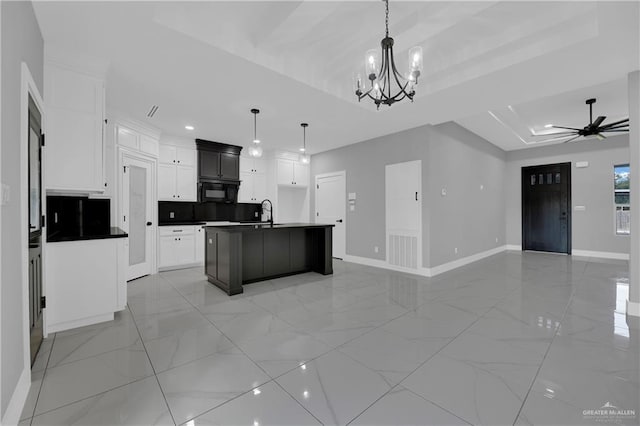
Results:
568 128
572 139
555 134
600 136
598 121
619 126
617 129
606 126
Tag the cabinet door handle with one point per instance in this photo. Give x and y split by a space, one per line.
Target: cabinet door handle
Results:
416 195
173 196
149 223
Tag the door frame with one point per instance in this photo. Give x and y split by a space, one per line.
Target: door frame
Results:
343 175
569 205
28 88
127 153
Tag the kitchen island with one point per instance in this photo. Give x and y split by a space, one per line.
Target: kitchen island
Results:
242 254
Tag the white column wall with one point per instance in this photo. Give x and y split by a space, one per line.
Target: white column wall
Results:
633 304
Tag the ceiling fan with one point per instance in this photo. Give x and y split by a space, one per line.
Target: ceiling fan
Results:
593 128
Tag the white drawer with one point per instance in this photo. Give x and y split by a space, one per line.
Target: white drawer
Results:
176 230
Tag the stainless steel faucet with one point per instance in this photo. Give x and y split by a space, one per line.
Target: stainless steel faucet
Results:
270 209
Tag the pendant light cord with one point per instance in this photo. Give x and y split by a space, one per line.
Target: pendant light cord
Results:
304 138
255 125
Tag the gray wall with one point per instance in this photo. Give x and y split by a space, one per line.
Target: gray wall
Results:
21 42
452 158
592 187
467 218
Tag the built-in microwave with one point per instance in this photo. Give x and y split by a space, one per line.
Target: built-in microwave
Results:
219 192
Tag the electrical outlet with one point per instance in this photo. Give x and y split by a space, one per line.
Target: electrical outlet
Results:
172 215
496 239
455 250
255 214
443 192
375 249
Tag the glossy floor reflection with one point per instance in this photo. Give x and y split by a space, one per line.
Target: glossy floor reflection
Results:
513 339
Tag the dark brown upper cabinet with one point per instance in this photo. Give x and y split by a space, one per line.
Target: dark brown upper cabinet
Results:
218 161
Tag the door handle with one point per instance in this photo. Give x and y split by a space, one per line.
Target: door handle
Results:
339 220
149 224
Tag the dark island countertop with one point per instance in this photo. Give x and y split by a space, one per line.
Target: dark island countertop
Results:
250 227
113 232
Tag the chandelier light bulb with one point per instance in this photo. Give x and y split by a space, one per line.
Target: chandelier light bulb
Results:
256 141
305 159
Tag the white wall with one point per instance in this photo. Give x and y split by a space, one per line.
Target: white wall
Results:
21 42
592 187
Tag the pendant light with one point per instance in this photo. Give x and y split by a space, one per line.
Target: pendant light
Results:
255 150
304 157
386 85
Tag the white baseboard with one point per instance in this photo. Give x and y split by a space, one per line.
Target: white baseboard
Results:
425 272
600 254
377 263
67 325
584 253
445 267
18 399
633 308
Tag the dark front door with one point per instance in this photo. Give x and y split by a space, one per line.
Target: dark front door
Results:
546 208
35 228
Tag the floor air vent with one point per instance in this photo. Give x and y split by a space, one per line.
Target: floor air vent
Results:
403 251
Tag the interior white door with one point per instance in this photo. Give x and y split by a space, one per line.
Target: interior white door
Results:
331 208
137 214
403 201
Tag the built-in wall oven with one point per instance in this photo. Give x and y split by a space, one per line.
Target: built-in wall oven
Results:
219 192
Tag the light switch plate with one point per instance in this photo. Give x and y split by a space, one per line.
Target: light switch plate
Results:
4 196
172 215
582 164
443 192
352 207
352 196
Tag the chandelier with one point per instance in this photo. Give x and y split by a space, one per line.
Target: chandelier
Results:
386 85
255 150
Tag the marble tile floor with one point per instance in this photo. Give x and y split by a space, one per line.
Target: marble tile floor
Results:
514 339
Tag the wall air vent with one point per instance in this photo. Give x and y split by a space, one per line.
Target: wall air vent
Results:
152 111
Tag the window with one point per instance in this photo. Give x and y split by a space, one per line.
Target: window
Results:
621 198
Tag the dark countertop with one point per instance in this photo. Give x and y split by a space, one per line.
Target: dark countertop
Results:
114 232
267 226
181 223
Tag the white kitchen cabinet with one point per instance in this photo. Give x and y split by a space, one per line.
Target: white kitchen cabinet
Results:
252 165
74 130
253 187
130 138
86 282
177 246
177 180
166 182
292 173
186 183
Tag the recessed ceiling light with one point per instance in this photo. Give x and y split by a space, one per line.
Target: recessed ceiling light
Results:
548 126
189 127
